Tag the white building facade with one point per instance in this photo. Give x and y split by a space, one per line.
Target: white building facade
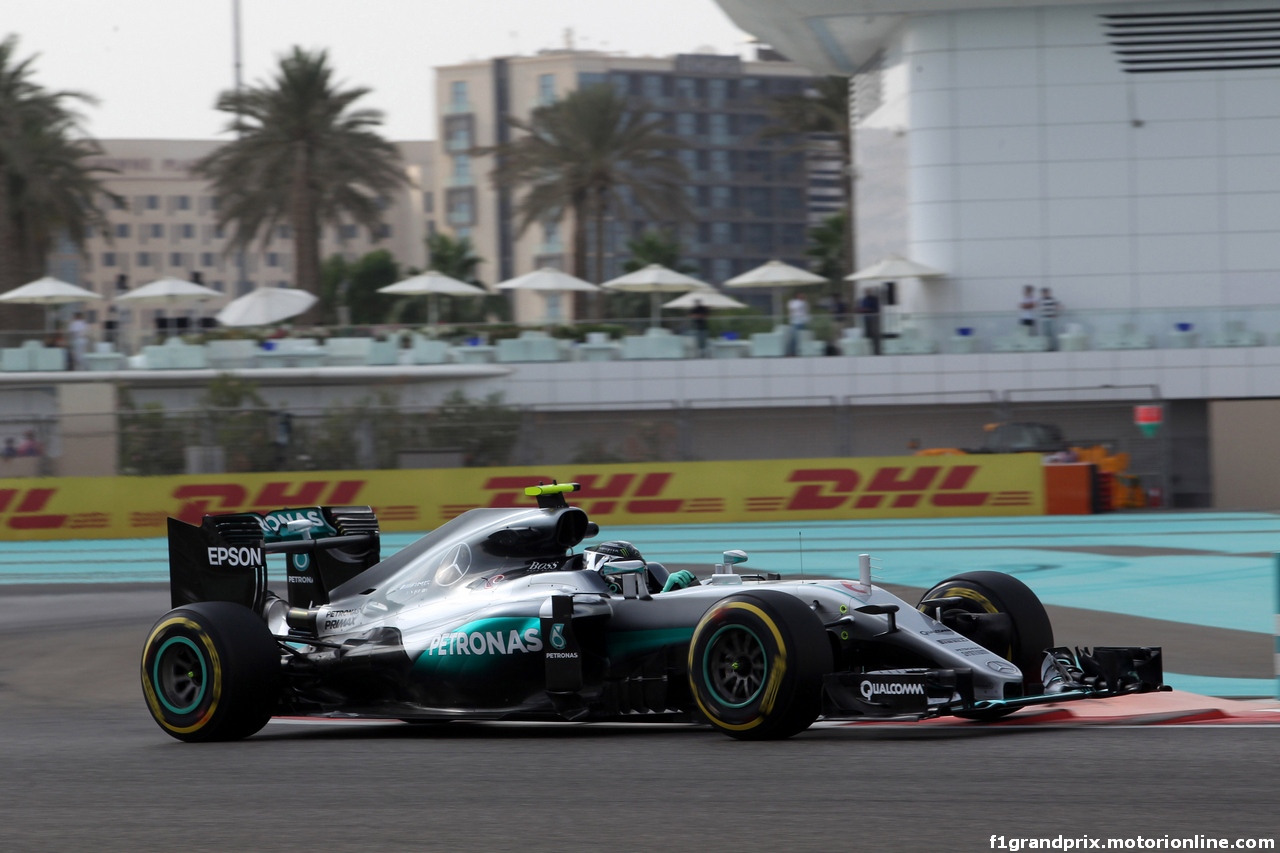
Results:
1125 154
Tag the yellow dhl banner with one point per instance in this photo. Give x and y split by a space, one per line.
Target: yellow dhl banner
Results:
641 493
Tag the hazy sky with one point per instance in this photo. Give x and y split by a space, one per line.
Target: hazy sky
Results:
157 65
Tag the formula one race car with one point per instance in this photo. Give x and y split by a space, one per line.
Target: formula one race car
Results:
493 616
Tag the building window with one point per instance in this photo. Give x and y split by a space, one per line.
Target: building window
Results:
428 203
284 232
651 86
152 202
458 133
219 232
546 89
144 259
720 162
273 259
346 232
184 202
462 169
758 201
155 230
591 78
220 286
461 207
206 259
175 259
719 127
717 92
722 198
458 95
383 232
687 88
686 124
462 233
188 231
119 202
793 234
688 159
244 287
721 269
760 236
790 199
214 203
122 229
108 259
721 234
621 83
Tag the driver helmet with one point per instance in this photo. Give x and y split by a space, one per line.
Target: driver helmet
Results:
610 552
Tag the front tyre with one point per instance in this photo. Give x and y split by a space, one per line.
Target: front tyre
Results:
1030 632
756 664
211 671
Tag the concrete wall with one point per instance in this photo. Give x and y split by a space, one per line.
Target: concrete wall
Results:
1242 453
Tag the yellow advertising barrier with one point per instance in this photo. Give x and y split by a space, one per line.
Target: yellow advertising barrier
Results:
641 493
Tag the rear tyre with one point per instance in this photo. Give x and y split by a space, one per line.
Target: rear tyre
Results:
211 671
756 663
1031 634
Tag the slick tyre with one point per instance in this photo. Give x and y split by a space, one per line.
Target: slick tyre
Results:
1031 632
210 671
756 664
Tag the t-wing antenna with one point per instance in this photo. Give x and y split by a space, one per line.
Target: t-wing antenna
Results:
551 497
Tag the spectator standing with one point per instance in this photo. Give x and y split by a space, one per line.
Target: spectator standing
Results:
798 313
10 449
1027 309
78 332
839 310
869 308
699 314
30 446
1049 309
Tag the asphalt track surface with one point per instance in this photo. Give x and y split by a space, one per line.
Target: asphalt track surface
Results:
83 767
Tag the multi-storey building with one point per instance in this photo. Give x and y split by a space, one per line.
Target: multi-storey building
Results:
162 222
751 195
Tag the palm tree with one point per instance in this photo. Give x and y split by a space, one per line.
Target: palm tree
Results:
578 154
656 247
303 157
47 187
823 110
457 258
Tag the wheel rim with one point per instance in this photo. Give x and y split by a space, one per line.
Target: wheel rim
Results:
179 675
735 666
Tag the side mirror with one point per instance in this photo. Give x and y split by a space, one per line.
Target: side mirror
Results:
300 525
732 558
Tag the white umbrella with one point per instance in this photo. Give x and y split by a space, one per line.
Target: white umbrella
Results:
655 279
168 291
47 291
711 299
266 305
776 275
548 280
894 266
430 284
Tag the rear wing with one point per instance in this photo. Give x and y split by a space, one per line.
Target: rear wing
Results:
224 558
